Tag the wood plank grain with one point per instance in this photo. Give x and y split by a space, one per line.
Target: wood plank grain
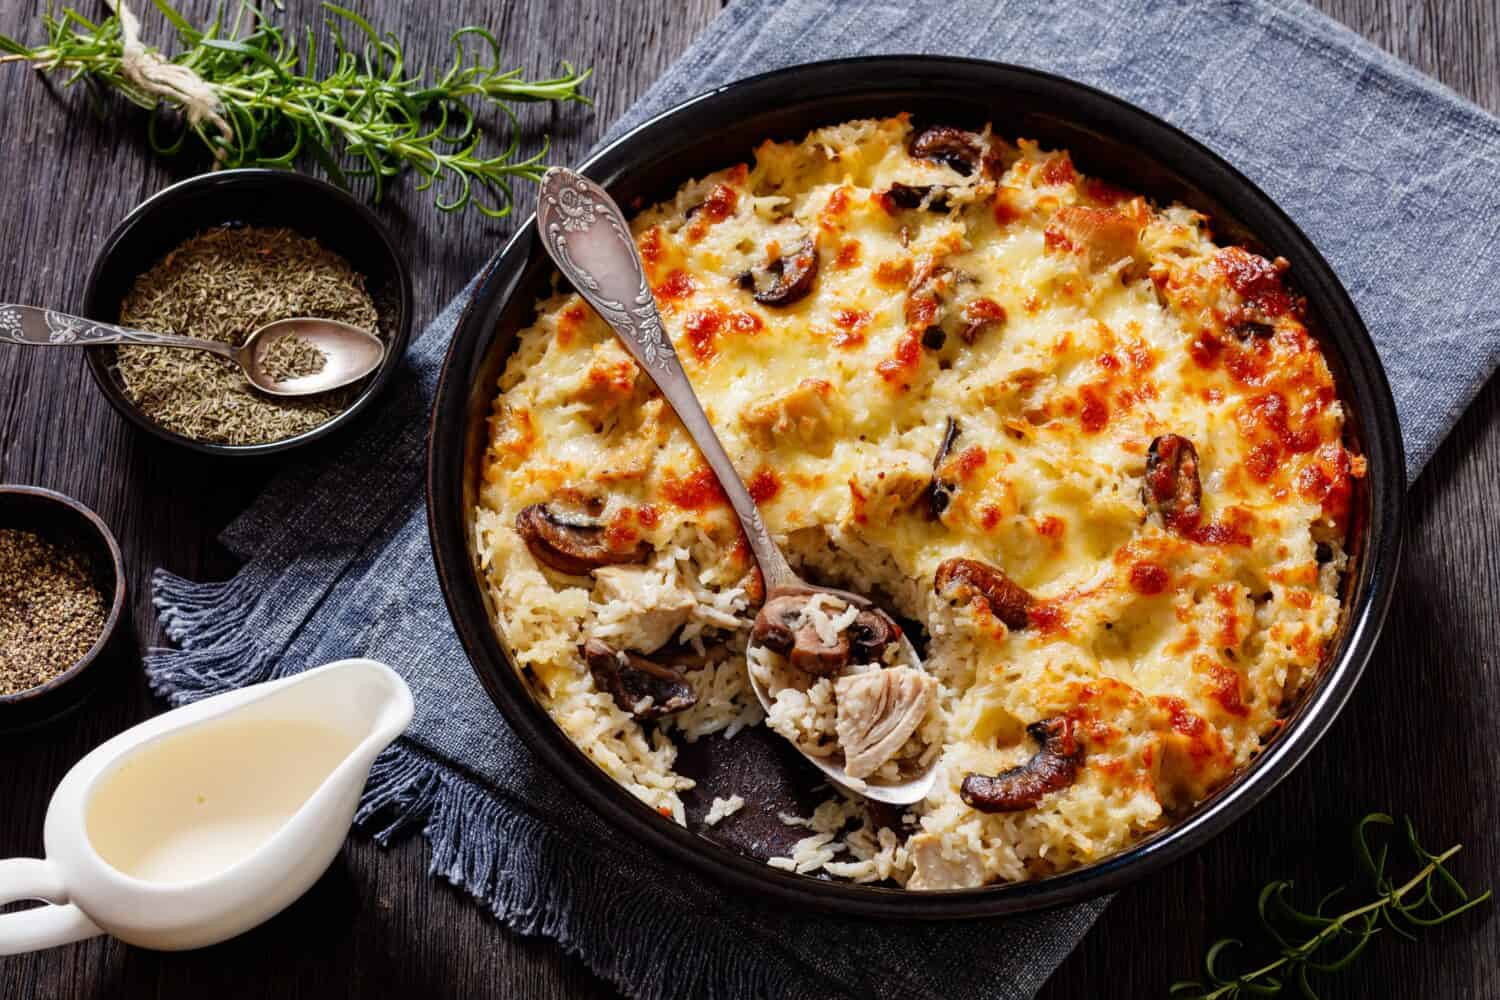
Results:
1414 739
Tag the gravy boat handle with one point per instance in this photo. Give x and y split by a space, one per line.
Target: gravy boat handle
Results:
59 922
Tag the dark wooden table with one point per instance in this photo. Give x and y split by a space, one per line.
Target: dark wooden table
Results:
1416 738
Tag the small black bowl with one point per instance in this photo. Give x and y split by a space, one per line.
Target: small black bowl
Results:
256 197
71 526
1108 138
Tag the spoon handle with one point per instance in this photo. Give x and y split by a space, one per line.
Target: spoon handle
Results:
586 234
36 327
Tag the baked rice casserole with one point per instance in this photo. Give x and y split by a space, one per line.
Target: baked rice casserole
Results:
1094 459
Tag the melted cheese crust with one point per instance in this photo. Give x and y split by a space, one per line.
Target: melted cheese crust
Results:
1078 323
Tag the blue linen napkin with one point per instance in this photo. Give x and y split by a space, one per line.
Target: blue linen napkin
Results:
1392 176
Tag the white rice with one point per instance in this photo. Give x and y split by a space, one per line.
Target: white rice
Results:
809 854
723 808
828 615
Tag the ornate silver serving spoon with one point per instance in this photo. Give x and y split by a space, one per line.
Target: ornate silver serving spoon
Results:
586 234
349 353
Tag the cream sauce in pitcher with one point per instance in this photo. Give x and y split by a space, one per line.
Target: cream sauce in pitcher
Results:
209 809
206 820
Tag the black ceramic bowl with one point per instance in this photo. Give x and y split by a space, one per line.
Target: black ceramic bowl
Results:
69 525
258 197
1108 138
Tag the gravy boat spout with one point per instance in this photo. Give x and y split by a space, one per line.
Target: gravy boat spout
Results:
207 820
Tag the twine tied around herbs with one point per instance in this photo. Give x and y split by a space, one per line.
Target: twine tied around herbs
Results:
157 77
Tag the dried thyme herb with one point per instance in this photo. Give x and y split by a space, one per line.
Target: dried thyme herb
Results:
51 613
290 356
224 284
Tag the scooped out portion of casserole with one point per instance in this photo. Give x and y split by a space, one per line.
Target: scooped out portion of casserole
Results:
1097 458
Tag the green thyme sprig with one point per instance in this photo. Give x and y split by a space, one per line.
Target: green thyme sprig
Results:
1314 942
370 115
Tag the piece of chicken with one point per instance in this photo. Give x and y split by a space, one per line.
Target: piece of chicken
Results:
877 712
606 385
897 483
811 413
659 610
1102 236
631 449
935 870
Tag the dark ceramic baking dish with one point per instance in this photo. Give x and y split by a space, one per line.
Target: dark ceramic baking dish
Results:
71 526
1108 138
252 196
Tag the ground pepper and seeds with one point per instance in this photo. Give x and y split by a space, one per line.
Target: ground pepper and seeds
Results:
51 612
224 284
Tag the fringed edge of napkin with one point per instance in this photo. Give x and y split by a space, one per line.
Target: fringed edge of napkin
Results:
476 836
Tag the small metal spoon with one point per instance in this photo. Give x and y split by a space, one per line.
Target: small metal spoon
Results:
349 353
585 232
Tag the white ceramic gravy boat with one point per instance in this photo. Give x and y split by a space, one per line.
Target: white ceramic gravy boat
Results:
207 820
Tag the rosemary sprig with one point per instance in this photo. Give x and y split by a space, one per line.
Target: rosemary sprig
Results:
1311 942
368 116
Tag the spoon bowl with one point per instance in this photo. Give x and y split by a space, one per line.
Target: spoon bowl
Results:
349 354
901 793
586 234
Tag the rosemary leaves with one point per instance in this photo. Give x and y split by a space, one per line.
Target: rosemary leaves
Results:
258 93
1308 943
51 613
223 284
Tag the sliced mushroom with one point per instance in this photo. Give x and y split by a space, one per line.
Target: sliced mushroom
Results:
871 634
645 689
779 627
911 196
812 656
877 712
965 579
957 148
940 491
785 280
572 545
1051 769
1172 489
776 623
